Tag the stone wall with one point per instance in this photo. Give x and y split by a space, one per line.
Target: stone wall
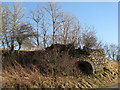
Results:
95 57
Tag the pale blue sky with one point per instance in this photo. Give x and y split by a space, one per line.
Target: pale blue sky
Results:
119 25
102 15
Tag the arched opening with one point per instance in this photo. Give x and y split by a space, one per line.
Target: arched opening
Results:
85 67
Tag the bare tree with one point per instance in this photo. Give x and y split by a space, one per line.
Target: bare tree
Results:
14 31
36 17
76 33
66 26
69 31
111 51
89 39
16 19
55 14
45 27
24 32
42 23
63 32
99 44
5 25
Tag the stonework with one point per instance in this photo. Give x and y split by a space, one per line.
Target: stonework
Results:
95 57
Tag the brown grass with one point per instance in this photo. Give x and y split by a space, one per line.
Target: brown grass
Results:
19 75
31 78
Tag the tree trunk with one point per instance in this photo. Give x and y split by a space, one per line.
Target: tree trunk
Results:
12 44
37 36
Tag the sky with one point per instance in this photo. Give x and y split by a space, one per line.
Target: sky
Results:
119 24
102 15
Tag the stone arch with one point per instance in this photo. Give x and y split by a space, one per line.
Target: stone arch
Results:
86 67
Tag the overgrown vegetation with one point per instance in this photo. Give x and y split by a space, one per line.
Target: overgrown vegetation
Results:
24 77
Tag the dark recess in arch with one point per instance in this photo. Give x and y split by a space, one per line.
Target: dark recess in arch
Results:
85 67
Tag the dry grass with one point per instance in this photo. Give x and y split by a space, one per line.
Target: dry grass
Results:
19 75
31 78
112 66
